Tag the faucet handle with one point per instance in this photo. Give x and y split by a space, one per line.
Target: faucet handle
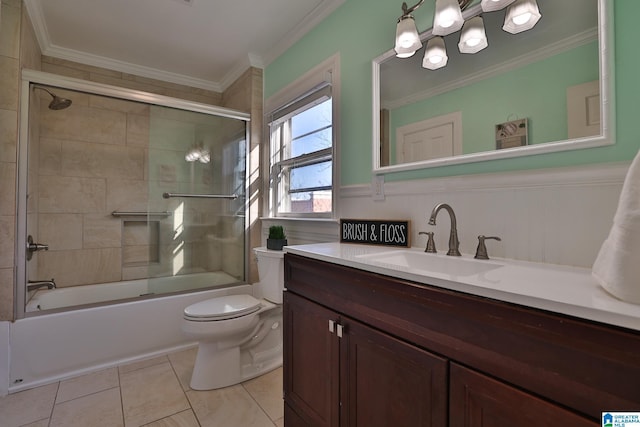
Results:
431 244
481 251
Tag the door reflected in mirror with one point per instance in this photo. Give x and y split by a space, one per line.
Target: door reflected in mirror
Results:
542 90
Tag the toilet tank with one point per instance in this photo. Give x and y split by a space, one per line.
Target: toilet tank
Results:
271 273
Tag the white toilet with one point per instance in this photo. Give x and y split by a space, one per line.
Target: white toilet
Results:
240 337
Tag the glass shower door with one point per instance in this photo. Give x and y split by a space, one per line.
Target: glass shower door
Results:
196 177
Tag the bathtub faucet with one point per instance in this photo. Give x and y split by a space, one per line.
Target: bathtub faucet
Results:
32 285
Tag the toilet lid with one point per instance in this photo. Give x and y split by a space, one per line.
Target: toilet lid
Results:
221 308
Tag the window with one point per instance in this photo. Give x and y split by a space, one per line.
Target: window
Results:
302 145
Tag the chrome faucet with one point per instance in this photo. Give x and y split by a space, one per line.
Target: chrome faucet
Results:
32 285
454 243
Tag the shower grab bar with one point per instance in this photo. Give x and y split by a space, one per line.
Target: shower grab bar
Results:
119 214
201 196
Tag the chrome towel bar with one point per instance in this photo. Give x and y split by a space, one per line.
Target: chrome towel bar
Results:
201 196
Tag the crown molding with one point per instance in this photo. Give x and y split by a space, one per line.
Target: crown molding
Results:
324 9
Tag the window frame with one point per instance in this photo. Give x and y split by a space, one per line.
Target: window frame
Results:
313 88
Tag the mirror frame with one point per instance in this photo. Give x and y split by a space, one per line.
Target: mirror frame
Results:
607 104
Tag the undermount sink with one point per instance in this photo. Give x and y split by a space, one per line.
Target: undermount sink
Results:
426 262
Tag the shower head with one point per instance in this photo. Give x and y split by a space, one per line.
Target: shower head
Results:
57 103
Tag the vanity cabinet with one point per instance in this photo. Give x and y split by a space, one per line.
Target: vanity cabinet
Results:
363 349
339 371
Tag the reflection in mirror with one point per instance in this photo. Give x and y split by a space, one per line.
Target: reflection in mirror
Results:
542 90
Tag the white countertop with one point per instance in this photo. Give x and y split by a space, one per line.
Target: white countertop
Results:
560 289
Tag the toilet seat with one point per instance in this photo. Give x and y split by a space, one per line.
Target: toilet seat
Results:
222 308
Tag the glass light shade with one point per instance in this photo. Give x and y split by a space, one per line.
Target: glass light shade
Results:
473 37
435 55
447 18
407 38
493 5
521 16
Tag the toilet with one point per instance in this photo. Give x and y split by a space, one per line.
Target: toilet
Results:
239 336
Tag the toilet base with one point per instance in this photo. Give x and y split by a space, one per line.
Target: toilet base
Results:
217 367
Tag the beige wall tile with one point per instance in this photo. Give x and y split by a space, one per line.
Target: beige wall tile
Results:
101 231
9 83
7 242
139 254
8 135
61 70
60 231
10 31
127 195
113 104
6 294
80 267
30 54
71 195
49 157
100 160
80 123
139 233
138 130
7 188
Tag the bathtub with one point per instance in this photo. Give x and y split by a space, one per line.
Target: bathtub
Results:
49 347
45 299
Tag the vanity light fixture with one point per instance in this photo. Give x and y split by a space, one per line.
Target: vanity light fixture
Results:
435 55
199 154
473 37
522 15
407 38
448 17
493 5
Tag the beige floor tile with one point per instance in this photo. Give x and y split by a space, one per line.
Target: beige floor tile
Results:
150 394
129 367
102 409
182 363
280 422
28 406
87 384
230 406
182 419
267 391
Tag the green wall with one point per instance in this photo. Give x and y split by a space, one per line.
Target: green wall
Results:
536 92
360 30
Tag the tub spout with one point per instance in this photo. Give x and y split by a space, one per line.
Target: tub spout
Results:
32 285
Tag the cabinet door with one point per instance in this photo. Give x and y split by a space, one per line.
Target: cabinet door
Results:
480 401
311 363
388 382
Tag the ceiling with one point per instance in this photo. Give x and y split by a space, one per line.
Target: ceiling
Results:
200 43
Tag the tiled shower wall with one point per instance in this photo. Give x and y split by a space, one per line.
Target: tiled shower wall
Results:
19 49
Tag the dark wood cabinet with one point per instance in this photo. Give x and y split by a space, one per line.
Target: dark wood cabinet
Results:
480 401
417 355
341 372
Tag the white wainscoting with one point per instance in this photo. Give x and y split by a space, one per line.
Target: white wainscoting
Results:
557 216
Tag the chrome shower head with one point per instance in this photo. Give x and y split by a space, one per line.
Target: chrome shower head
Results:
57 103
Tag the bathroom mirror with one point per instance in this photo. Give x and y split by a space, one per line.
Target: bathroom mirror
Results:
543 90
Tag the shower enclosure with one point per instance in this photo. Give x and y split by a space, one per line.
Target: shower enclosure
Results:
117 186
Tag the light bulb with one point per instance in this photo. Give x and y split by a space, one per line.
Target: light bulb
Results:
522 19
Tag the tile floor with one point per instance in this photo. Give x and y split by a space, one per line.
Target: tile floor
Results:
153 393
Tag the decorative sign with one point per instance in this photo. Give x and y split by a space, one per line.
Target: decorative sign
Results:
374 232
511 134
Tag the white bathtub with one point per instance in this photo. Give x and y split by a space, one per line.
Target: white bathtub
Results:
45 299
50 347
